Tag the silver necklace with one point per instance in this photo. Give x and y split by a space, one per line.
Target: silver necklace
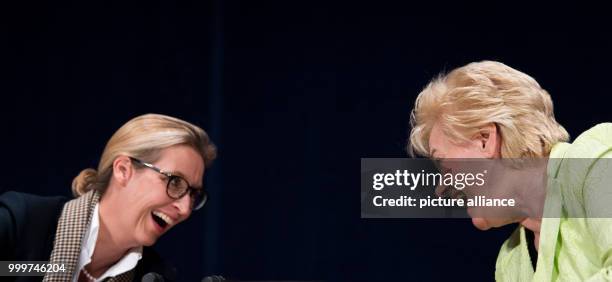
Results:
88 275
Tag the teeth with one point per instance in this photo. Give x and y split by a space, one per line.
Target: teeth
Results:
164 216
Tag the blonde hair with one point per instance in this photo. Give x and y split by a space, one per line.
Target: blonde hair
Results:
143 138
482 93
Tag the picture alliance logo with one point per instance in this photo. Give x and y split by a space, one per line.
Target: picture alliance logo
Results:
411 180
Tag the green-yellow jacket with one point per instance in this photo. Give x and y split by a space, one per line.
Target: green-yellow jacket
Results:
575 241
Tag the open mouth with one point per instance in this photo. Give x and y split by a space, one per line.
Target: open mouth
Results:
161 219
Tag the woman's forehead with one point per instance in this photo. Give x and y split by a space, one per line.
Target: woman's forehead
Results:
183 161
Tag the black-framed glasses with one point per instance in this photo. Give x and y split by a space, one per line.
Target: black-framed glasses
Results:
177 187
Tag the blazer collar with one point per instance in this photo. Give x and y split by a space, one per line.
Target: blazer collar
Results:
71 228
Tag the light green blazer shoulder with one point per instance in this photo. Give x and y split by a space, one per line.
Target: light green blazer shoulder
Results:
575 241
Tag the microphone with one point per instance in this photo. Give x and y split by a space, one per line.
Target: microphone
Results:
152 277
214 278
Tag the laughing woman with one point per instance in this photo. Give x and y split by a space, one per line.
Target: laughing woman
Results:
489 110
149 179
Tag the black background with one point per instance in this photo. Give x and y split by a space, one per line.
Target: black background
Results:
294 94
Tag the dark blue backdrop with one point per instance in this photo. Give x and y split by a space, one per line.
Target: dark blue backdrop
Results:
294 94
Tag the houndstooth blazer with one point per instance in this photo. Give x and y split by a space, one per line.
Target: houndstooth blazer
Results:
73 223
35 228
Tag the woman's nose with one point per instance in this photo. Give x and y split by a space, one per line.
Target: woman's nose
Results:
183 205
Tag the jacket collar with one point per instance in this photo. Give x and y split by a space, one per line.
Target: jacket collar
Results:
71 228
552 214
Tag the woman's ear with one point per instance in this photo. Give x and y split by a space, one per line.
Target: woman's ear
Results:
122 170
489 140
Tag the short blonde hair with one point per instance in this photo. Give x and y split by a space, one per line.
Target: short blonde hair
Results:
143 138
482 93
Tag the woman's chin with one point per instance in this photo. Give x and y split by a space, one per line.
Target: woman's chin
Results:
481 223
147 241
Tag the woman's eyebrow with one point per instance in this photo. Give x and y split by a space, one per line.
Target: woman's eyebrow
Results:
178 173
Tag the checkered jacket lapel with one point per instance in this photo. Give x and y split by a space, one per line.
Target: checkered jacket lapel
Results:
73 223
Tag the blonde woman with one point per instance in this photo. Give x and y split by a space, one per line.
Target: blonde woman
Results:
489 110
149 179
